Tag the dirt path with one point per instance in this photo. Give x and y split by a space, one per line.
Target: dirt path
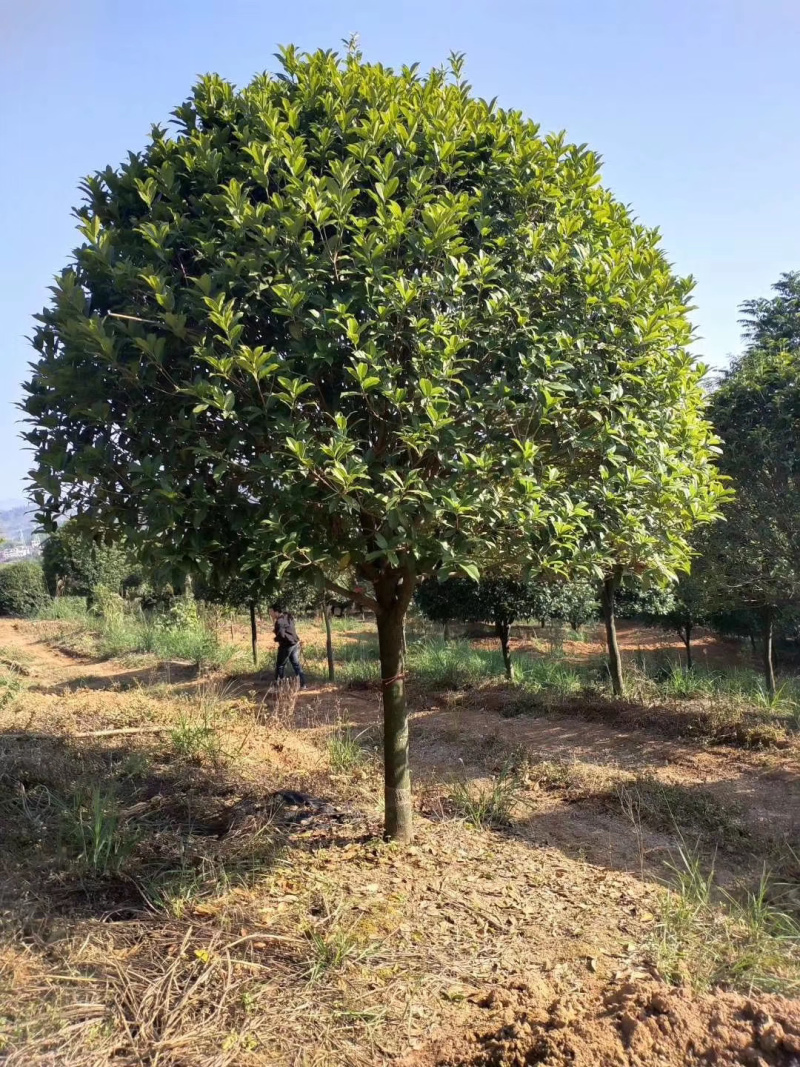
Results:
28 642
765 786
519 942
746 804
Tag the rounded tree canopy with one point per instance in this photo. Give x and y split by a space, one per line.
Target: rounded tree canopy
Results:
754 556
353 316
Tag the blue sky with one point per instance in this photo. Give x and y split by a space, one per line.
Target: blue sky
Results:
691 103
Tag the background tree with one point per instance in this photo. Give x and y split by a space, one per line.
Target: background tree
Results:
75 563
575 602
451 600
681 608
386 322
497 600
774 322
756 551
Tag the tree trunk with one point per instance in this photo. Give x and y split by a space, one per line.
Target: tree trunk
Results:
752 642
607 591
393 591
446 632
502 630
687 640
769 667
326 611
253 632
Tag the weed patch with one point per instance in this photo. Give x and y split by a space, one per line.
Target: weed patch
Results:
487 806
92 830
707 936
196 739
690 812
335 940
345 750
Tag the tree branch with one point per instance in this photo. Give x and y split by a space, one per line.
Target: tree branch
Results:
360 598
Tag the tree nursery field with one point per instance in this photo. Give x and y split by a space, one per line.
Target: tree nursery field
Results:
194 870
356 351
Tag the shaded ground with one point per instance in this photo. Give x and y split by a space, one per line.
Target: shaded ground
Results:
243 927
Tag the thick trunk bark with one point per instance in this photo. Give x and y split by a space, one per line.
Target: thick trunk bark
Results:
253 632
393 592
769 667
607 591
502 630
687 640
326 611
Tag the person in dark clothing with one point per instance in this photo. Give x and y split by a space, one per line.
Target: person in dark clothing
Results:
288 643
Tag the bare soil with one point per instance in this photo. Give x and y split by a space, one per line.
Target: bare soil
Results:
634 1024
302 939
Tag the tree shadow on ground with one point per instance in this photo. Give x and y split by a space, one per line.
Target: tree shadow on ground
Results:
118 832
619 814
162 673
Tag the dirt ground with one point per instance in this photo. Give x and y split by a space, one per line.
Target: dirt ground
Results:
520 943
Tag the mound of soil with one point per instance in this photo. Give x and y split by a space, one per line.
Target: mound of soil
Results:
634 1025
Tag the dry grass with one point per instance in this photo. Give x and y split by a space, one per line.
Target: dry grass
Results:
249 912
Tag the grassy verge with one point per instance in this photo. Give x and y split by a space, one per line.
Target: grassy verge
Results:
124 630
708 936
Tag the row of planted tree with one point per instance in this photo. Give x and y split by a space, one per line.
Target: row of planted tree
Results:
360 324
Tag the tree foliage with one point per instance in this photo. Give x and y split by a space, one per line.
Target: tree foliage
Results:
755 553
22 588
774 322
74 564
347 317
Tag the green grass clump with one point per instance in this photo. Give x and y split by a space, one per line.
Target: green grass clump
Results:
488 806
551 675
193 739
345 750
453 664
93 831
65 608
125 634
335 940
708 936
678 682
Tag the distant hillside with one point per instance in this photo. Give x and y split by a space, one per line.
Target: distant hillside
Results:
16 518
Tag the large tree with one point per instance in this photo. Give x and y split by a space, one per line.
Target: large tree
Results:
755 553
376 324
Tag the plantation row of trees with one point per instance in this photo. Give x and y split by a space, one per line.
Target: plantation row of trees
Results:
357 324
745 575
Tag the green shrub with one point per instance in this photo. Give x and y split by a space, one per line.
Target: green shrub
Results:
22 588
